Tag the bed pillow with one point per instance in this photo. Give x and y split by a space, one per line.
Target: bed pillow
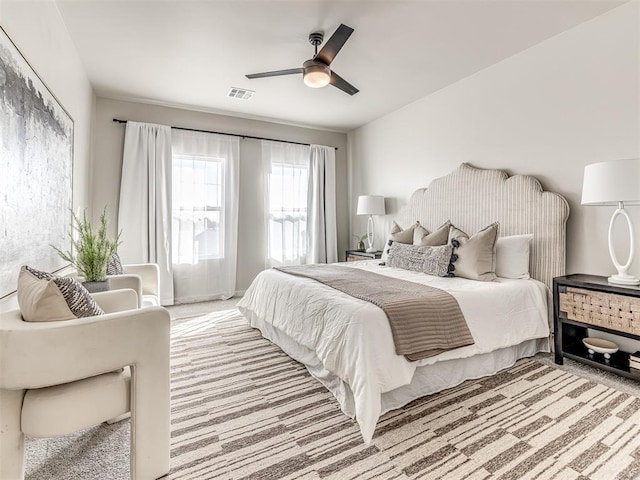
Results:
418 233
422 237
476 254
512 256
435 260
398 235
43 297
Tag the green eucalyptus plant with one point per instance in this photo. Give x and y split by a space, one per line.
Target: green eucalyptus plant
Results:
92 250
360 241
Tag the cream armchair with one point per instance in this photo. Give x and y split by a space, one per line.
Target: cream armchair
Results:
60 377
144 278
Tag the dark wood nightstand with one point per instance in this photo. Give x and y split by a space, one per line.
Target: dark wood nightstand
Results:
590 301
357 255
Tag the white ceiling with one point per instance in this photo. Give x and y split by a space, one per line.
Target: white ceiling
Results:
189 53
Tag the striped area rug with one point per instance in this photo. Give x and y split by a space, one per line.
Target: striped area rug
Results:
242 409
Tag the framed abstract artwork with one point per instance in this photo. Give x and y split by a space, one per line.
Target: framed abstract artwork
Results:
36 170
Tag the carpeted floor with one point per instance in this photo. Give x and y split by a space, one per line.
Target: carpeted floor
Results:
242 409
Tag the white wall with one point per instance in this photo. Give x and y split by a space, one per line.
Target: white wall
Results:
37 29
109 142
548 111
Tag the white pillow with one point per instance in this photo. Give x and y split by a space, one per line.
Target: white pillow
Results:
512 256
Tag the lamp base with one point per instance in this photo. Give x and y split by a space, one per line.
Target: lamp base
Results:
624 280
622 277
371 250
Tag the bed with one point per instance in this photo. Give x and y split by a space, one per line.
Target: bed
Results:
346 343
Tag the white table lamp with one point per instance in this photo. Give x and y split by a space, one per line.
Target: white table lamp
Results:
370 205
615 183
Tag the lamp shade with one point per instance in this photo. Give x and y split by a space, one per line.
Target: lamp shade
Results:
608 183
370 205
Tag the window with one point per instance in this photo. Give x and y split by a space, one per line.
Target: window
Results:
288 213
197 193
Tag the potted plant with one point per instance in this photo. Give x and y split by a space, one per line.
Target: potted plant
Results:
360 241
92 250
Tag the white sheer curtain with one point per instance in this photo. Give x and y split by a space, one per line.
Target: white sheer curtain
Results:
321 216
205 215
287 169
144 215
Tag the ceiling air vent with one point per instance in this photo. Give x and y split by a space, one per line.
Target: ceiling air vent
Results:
241 93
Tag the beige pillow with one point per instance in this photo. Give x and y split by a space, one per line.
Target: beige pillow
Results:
418 233
477 254
43 297
402 236
433 239
399 235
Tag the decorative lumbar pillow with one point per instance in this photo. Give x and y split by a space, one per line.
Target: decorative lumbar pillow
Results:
406 256
477 254
439 261
433 239
436 261
512 256
43 297
398 235
115 265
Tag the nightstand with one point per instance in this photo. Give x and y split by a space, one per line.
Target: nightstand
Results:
590 301
357 255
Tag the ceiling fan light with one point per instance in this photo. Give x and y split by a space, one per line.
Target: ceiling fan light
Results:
316 75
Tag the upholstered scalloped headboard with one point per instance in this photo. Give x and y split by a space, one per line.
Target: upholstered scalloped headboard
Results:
472 198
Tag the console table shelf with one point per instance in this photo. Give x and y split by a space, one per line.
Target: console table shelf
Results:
618 363
569 332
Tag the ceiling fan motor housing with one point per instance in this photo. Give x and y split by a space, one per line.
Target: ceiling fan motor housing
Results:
316 74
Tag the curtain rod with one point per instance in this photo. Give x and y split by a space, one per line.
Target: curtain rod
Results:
230 134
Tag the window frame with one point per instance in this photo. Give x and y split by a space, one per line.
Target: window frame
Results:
204 209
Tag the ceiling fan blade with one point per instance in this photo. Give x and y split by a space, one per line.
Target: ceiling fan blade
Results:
334 44
342 84
275 73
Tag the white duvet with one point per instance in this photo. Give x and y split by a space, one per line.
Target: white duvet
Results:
352 338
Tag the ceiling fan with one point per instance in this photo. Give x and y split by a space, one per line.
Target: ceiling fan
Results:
315 71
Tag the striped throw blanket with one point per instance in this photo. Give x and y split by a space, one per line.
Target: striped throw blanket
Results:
424 320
